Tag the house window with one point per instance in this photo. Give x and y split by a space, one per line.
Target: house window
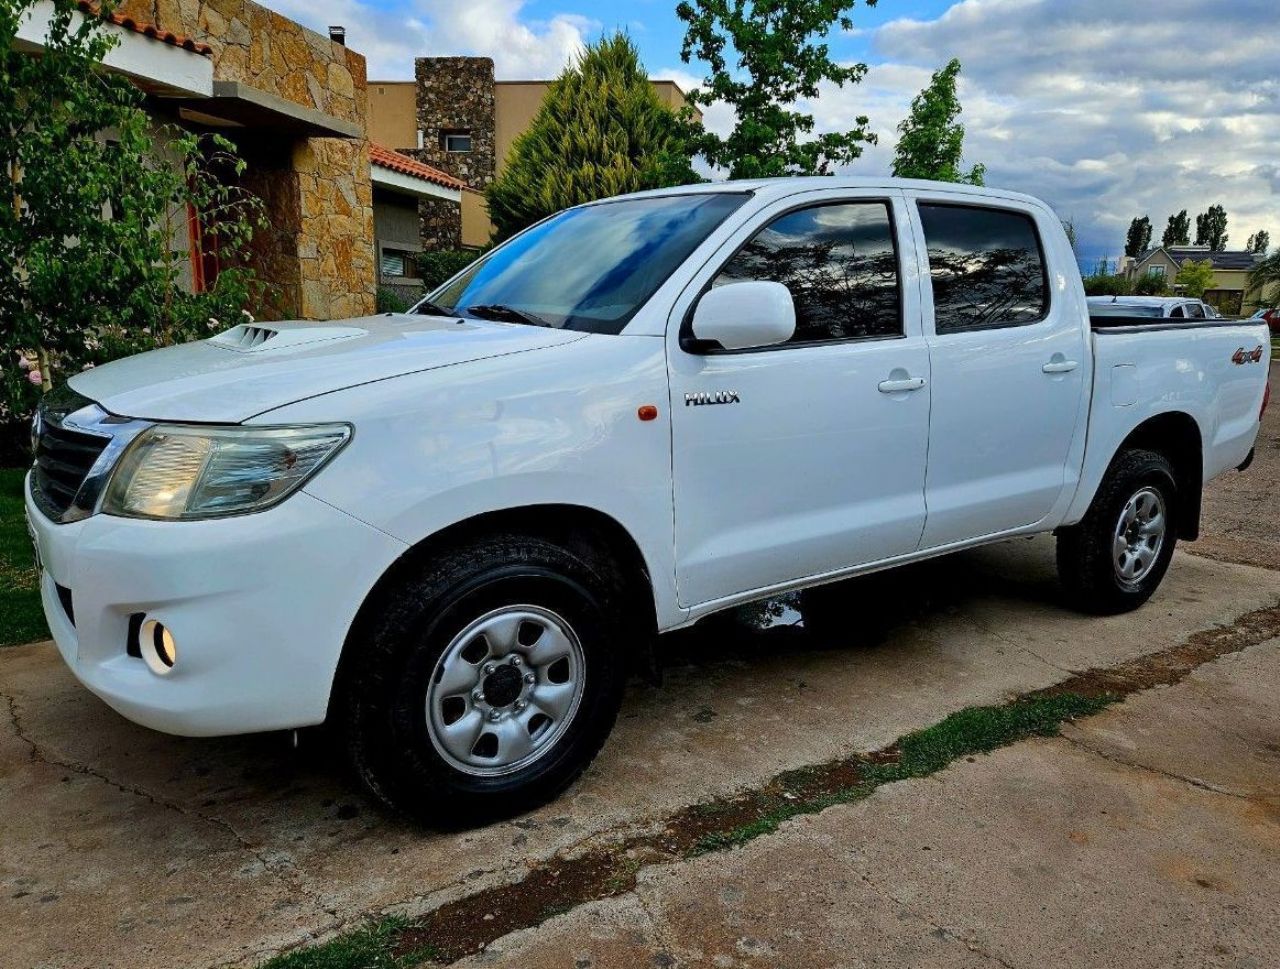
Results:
396 262
457 140
1155 270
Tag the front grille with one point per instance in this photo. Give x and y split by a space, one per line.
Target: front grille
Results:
63 456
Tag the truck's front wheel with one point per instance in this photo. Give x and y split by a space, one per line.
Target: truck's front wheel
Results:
488 683
1113 560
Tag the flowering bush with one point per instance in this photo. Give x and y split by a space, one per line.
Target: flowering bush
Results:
93 264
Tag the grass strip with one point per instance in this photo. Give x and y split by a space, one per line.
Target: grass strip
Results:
21 617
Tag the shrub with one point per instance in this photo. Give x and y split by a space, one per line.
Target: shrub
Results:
439 264
1105 284
390 301
1151 284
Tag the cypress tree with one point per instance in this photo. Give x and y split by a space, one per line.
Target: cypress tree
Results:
601 131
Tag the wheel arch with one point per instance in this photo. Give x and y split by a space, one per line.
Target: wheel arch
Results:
581 529
1176 436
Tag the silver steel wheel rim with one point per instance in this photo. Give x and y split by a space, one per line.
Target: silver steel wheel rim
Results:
1139 535
505 690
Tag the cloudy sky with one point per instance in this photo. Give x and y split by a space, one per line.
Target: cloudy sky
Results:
1107 109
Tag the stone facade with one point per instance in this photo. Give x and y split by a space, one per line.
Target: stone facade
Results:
454 94
317 255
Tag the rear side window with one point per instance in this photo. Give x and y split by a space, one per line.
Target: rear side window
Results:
840 263
986 265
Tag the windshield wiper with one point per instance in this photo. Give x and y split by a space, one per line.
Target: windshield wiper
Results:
501 311
428 308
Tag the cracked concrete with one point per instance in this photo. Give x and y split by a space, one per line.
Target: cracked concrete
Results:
164 851
1128 841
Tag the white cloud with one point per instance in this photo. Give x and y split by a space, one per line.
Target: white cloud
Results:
1107 110
390 39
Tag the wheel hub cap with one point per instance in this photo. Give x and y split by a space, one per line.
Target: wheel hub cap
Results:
505 690
1139 535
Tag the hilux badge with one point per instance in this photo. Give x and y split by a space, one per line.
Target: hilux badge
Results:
715 397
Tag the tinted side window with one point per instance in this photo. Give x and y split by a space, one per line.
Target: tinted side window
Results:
986 267
1195 311
840 263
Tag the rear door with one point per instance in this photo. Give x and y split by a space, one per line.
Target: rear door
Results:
812 458
1009 361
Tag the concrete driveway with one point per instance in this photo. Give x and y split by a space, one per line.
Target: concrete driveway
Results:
1147 834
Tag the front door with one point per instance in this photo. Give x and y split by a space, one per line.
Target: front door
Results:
808 457
1010 366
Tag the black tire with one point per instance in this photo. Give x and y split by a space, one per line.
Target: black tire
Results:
384 694
1086 559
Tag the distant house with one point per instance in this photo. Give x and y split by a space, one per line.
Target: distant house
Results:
457 118
1229 293
400 183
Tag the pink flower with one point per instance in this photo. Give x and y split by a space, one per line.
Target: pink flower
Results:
35 377
23 362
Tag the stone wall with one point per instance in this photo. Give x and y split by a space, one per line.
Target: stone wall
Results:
457 93
317 255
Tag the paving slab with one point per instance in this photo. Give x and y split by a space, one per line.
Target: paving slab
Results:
163 851
1147 836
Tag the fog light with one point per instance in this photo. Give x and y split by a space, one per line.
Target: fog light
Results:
157 646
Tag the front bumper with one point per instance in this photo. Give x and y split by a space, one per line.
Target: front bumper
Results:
259 607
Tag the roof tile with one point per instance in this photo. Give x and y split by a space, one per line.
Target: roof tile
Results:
395 161
146 29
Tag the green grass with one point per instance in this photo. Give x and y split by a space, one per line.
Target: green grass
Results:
974 730
21 619
369 948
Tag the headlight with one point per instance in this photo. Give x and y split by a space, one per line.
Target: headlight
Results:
184 472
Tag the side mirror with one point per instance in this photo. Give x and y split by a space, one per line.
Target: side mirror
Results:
739 316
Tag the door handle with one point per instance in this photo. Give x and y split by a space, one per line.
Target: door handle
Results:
1060 366
897 386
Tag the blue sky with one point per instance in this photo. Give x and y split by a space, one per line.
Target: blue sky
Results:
1107 109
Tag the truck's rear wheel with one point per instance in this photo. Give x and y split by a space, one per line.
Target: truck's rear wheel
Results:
488 683
1115 558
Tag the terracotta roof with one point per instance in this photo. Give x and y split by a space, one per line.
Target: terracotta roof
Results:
397 162
146 29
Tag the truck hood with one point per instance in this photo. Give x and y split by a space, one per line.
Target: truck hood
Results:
253 368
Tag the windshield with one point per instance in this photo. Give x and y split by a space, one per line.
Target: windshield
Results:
589 268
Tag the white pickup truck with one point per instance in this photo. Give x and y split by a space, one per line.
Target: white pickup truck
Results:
449 531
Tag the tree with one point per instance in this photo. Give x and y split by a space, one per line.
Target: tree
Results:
1138 239
601 131
776 63
931 141
1259 242
1195 277
1264 280
1178 231
88 268
1151 283
1211 228
1069 227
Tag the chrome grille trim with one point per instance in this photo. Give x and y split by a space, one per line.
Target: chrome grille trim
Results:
76 443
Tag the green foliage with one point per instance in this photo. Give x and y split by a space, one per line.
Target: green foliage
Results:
1151 284
388 300
1264 279
1195 277
931 142
372 947
440 264
89 269
1178 230
601 131
21 618
1259 242
1211 228
1138 238
1106 284
763 59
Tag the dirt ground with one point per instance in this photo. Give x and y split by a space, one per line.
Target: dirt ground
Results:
1146 835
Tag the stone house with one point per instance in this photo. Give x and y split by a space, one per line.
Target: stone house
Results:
294 103
1229 292
455 117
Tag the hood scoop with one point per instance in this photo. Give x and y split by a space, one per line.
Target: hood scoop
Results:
254 338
